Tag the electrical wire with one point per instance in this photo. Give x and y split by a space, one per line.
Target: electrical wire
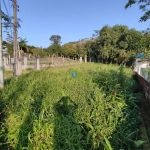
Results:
9 31
10 15
5 7
9 7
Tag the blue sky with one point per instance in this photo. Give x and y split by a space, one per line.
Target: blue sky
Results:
71 19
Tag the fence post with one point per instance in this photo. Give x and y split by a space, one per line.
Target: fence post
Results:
90 59
37 63
9 59
85 58
19 53
63 60
19 65
4 61
80 60
25 62
52 58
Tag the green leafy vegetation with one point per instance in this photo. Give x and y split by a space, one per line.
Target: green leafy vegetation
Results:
50 109
116 45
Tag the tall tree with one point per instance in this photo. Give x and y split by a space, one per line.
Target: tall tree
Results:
114 44
23 44
55 39
89 49
55 48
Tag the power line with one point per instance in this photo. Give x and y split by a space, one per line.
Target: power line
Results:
9 28
6 8
9 7
10 18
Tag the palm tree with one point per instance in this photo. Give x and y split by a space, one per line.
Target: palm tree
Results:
23 45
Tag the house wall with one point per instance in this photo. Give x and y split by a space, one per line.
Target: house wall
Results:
145 85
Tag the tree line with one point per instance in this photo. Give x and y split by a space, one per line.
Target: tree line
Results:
117 44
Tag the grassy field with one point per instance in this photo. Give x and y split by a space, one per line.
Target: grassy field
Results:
8 74
84 107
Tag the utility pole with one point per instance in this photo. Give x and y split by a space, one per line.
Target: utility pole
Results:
15 9
1 55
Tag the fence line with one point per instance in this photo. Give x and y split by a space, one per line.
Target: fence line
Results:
38 63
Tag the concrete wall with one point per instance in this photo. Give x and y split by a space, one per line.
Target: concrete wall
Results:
145 85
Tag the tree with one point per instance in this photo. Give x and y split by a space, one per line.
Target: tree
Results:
143 5
23 44
38 52
89 49
146 44
81 50
54 49
106 43
7 23
56 39
9 46
117 44
69 50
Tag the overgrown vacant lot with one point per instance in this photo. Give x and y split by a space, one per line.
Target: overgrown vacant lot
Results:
84 107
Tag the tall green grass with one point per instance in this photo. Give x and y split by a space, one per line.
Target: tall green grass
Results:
51 110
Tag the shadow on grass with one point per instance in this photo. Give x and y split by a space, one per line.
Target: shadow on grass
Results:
7 81
68 134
